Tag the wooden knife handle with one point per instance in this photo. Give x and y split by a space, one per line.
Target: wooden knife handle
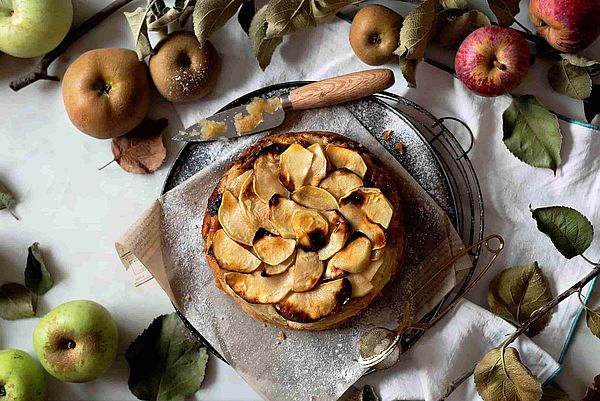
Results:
341 89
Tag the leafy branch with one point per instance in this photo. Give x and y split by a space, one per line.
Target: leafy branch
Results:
40 71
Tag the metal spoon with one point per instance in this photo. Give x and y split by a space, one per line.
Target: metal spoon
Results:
375 345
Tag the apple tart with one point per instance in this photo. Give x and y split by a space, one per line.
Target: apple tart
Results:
304 230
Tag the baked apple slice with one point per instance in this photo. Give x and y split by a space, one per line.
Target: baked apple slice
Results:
232 256
372 269
294 165
306 271
310 229
346 158
266 177
339 232
314 198
373 203
340 182
360 285
310 306
355 257
235 185
258 289
273 249
280 215
271 270
253 207
233 220
318 168
333 273
360 222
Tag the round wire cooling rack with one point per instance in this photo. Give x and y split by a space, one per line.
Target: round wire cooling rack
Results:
460 196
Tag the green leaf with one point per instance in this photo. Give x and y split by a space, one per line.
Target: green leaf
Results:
457 28
166 362
454 4
7 200
591 105
593 391
408 68
263 48
579 60
552 392
322 9
210 15
287 16
571 80
570 231
532 133
515 293
37 276
417 29
369 394
592 318
504 10
16 302
503 377
139 27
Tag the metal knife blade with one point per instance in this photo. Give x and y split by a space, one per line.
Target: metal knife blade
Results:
194 132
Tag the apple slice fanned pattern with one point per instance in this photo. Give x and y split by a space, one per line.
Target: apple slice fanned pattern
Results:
301 232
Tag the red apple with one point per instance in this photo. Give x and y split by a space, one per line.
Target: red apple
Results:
492 60
568 25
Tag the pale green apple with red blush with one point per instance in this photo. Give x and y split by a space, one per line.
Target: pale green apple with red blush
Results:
76 341
492 60
567 25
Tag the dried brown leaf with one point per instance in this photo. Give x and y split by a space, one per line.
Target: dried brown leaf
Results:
141 151
593 391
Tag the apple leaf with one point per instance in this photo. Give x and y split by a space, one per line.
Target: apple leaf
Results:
16 302
263 48
570 231
515 293
456 28
7 200
592 318
454 4
593 391
166 362
287 16
504 10
501 375
210 15
179 13
37 276
591 105
408 68
141 151
532 133
579 60
417 29
552 392
139 27
571 80
322 9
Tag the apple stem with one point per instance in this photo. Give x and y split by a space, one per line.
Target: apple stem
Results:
499 65
107 164
40 71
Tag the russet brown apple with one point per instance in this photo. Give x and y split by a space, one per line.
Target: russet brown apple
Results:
374 34
106 92
567 25
492 60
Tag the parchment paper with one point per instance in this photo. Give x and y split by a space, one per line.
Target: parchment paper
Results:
316 366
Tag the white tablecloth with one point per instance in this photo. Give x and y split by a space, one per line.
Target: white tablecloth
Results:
76 212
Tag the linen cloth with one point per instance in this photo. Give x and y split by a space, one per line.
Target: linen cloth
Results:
509 187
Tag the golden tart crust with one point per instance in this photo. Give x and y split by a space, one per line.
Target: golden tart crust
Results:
302 291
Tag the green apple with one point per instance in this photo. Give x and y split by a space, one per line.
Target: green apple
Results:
76 341
21 378
30 28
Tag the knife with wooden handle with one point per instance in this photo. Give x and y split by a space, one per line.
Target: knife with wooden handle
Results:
265 114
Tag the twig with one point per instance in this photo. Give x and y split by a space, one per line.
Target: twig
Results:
455 384
107 164
40 71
